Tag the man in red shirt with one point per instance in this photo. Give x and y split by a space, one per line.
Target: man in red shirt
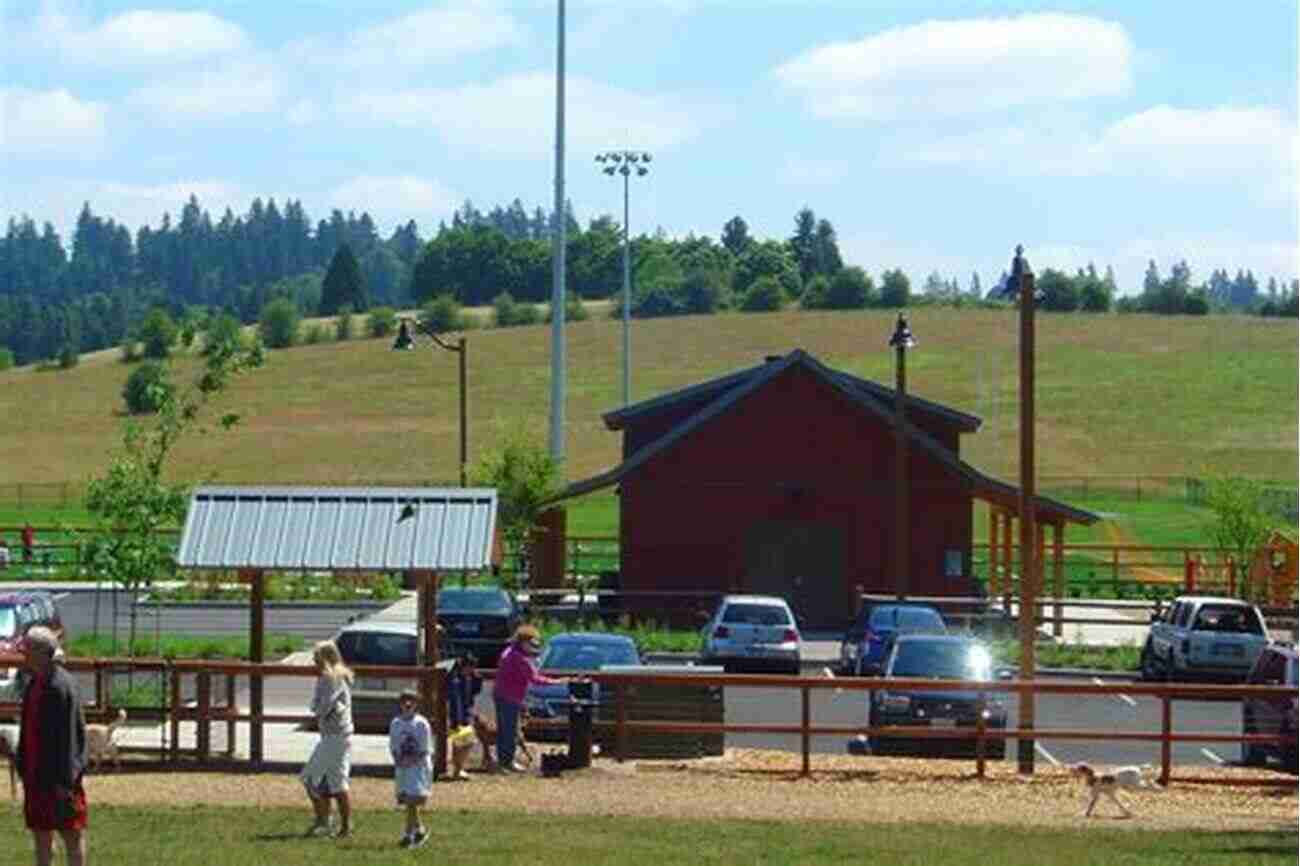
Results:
51 754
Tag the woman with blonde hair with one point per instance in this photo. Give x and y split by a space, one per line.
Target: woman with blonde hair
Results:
326 773
516 671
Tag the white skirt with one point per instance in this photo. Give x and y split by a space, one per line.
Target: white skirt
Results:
413 783
327 770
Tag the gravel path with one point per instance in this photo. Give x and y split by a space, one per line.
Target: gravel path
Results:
754 784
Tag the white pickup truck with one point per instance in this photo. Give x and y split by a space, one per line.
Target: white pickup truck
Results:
1201 637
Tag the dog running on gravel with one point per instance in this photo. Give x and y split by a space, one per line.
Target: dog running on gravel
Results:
99 741
1108 784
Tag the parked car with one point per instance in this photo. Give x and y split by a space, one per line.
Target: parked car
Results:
569 652
378 642
862 649
479 622
19 611
945 657
1203 638
751 632
1276 666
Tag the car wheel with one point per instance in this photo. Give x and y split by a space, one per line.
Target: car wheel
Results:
1251 753
1147 665
1170 672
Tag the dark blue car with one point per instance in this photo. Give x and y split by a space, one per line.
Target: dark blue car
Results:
863 648
573 652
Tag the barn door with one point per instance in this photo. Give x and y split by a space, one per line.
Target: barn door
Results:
803 562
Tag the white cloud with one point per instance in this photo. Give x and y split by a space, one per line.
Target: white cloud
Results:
814 172
433 35
962 67
394 199
247 86
515 116
1253 149
50 123
142 36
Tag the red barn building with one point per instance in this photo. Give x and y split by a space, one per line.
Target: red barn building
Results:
779 479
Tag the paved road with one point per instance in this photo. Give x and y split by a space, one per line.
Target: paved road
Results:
750 705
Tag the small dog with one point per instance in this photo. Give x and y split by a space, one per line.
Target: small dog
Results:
1109 784
99 741
9 748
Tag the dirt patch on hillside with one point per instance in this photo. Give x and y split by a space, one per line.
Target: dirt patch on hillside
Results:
756 784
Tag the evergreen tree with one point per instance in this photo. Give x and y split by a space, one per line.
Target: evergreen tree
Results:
895 289
343 284
803 243
735 236
826 250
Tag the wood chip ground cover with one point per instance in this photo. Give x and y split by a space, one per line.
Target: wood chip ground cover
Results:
757 784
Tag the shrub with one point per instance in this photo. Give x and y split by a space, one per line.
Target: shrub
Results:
222 330
343 324
130 351
764 296
574 310
68 357
146 388
158 333
814 292
703 290
509 313
278 324
6 359
443 313
849 289
315 333
381 322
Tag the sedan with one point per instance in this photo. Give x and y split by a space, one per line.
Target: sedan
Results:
477 621
862 650
940 657
567 653
752 631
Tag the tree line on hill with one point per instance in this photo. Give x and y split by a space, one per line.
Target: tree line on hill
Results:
57 303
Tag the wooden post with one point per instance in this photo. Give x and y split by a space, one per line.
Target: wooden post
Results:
203 726
980 706
256 656
433 696
233 708
1166 747
1006 562
1029 539
806 706
1058 577
175 685
993 552
620 701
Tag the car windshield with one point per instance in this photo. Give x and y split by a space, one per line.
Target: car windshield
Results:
1228 618
941 660
376 648
575 656
743 613
906 619
8 622
473 601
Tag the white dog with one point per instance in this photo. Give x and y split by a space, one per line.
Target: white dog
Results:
1109 784
99 741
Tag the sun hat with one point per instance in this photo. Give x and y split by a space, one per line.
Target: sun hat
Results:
408 695
532 646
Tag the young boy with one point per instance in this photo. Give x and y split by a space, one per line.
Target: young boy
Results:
409 741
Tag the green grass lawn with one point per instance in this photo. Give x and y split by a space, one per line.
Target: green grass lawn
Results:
203 835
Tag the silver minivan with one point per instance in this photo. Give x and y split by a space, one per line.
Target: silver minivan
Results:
752 632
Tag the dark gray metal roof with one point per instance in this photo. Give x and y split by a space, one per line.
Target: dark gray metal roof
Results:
340 528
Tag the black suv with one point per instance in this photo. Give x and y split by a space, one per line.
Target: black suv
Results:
1276 666
477 621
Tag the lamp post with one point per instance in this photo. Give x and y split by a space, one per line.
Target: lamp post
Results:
1020 287
625 162
406 342
558 366
902 340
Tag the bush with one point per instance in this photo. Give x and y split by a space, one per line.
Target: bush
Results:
443 313
68 357
343 324
574 310
315 333
130 351
849 289
222 330
381 322
146 388
6 359
158 334
764 296
278 324
509 313
815 292
703 291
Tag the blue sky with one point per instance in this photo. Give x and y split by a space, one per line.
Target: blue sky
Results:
933 135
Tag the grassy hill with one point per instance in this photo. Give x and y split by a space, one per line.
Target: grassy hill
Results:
1117 395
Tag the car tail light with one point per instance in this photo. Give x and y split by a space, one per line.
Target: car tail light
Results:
722 631
790 635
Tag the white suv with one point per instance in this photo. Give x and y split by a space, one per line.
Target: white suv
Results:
751 632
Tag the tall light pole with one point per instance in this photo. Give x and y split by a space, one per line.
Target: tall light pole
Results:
406 342
557 255
902 340
625 162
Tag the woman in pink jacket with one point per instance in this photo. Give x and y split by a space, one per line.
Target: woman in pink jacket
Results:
516 671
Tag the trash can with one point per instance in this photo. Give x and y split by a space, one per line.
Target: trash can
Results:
580 715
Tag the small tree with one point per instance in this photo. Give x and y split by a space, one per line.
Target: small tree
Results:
381 322
278 324
442 314
344 284
344 327
525 477
763 296
1241 525
146 388
158 334
133 500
